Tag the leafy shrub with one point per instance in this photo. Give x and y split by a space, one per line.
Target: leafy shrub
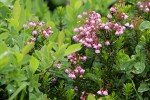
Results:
89 49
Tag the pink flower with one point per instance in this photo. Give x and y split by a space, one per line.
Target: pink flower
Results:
40 23
116 25
81 76
99 92
139 3
76 71
127 24
59 65
79 16
46 35
112 10
102 92
44 32
146 9
107 43
84 58
75 38
85 13
141 7
82 71
33 39
50 32
67 71
106 28
99 45
34 32
124 16
25 25
131 26
76 30
109 16
92 21
32 24
105 92
72 76
97 51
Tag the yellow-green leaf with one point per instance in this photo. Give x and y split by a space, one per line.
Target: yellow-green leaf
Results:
34 63
27 48
61 38
78 4
73 48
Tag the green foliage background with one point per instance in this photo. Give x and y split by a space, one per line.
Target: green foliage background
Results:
27 71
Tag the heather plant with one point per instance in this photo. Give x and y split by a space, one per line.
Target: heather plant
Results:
86 50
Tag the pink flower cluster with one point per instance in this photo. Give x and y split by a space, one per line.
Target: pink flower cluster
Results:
73 74
74 58
82 97
144 6
37 29
87 32
78 71
102 92
114 26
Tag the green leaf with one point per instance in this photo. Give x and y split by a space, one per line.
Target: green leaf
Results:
11 88
18 16
73 48
77 4
60 53
124 57
19 57
94 78
91 97
127 89
61 38
4 35
34 63
22 18
70 94
17 91
3 55
143 87
6 2
139 67
4 11
139 48
27 48
126 66
144 25
17 10
13 22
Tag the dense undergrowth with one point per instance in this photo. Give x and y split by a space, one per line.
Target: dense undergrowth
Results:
88 50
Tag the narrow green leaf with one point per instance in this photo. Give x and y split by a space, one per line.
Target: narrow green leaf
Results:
17 10
34 63
3 55
22 18
73 48
12 97
27 48
61 38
